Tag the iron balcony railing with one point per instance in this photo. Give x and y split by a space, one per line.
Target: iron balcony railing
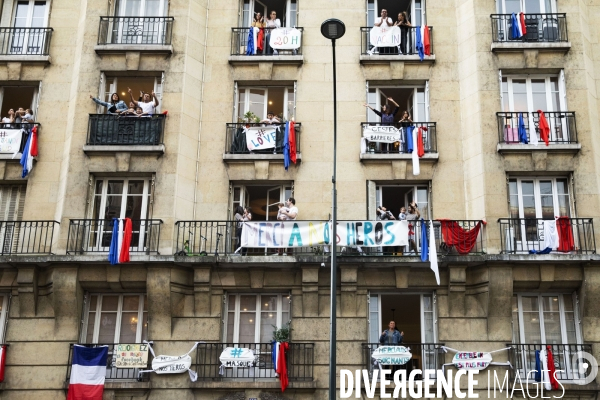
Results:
25 41
539 28
112 372
109 129
424 356
426 129
221 238
239 43
525 235
135 30
95 235
563 129
567 358
235 139
27 237
407 36
299 358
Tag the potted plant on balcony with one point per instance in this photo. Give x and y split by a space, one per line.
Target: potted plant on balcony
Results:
251 118
282 334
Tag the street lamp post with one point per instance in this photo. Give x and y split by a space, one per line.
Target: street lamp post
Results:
333 29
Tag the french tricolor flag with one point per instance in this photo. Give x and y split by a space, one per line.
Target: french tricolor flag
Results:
30 151
88 372
120 242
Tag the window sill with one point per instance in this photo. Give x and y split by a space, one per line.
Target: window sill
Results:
370 157
279 59
142 48
521 46
387 58
266 384
24 58
527 148
234 158
111 149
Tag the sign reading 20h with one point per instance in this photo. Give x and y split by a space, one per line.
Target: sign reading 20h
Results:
285 39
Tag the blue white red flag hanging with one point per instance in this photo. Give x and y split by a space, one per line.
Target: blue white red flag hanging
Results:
88 372
30 151
120 243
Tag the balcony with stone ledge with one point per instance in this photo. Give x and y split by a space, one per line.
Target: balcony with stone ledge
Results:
289 45
543 32
151 35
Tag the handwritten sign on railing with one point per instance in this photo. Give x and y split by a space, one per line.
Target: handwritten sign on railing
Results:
381 133
387 36
131 355
285 39
261 137
10 141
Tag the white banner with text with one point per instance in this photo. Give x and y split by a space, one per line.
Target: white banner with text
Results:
261 137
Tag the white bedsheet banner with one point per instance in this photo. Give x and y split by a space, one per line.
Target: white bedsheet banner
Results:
261 137
284 234
10 141
285 38
382 133
385 36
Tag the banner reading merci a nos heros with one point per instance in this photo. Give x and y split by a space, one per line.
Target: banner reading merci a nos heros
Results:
282 234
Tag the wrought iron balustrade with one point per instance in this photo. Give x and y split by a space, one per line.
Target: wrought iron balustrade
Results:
239 43
425 356
112 373
27 237
410 38
25 41
109 129
550 27
135 30
235 138
563 129
427 131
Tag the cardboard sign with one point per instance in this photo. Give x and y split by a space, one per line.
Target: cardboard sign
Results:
261 137
130 355
171 364
468 360
10 141
284 234
385 36
237 357
392 355
285 39
382 133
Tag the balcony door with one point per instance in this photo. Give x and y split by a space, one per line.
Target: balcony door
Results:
12 203
415 100
415 315
119 85
29 14
526 6
393 197
546 319
137 25
258 101
414 8
120 198
532 200
533 93
249 8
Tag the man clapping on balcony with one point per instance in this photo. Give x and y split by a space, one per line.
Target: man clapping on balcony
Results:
148 103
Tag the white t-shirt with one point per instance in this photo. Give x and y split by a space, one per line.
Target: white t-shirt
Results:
293 210
5 119
273 24
147 107
389 21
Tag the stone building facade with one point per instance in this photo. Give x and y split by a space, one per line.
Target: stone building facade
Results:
180 175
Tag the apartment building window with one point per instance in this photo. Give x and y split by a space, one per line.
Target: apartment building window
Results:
414 8
115 318
23 96
251 318
395 196
414 99
262 198
281 100
110 84
526 6
542 197
12 202
28 15
287 11
529 93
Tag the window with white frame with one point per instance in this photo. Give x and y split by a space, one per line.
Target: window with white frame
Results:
28 15
396 196
414 99
115 318
251 318
4 302
286 11
542 197
545 319
280 100
138 84
415 9
526 6
22 96
529 93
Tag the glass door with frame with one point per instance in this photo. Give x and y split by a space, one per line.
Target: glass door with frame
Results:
29 14
139 27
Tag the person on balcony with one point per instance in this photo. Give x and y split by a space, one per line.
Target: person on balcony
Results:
412 216
387 116
383 22
239 225
8 121
404 25
148 103
272 23
271 119
116 105
391 336
130 111
258 25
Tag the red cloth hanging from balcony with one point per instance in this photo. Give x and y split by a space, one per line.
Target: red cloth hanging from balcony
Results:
544 128
282 365
455 235
426 41
2 361
551 369
565 234
34 142
260 40
420 147
127 231
292 141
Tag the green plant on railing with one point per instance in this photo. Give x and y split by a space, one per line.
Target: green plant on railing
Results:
282 334
250 118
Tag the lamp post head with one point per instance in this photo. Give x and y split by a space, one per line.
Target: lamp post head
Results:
333 28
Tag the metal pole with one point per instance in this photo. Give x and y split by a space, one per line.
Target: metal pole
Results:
333 288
